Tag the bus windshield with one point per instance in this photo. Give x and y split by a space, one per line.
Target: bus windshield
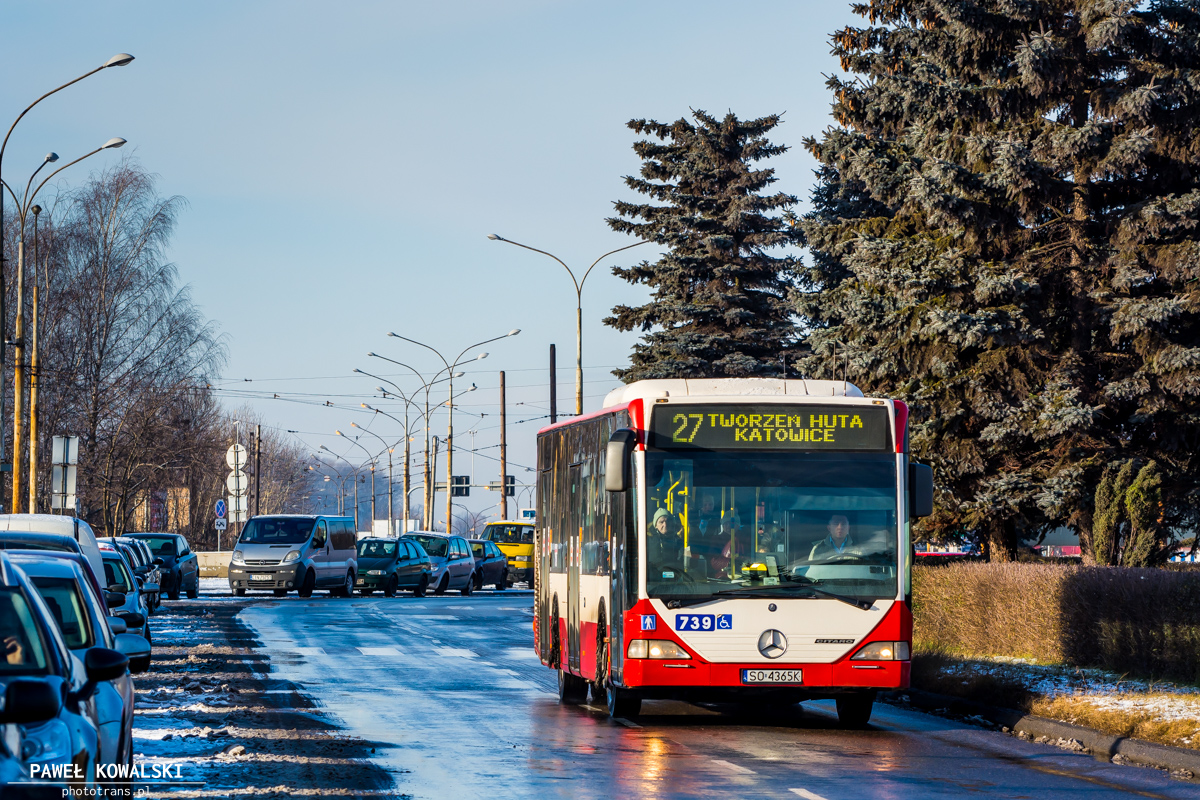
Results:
776 523
508 534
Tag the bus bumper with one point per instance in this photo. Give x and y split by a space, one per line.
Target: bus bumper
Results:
816 679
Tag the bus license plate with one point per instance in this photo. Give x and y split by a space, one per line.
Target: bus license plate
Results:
261 577
771 676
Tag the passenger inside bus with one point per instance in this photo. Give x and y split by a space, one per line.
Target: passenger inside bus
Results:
663 542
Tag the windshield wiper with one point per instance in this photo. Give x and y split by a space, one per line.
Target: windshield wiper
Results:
809 584
808 587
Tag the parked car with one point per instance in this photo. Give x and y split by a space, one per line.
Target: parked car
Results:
180 567
141 561
491 566
53 542
48 692
453 566
132 608
83 623
74 527
391 565
515 540
290 551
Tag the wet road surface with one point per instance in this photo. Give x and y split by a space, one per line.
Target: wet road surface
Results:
450 692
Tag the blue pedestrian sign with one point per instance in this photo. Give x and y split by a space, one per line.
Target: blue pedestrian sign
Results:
220 509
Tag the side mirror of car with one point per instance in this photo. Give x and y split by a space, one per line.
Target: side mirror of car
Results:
100 664
30 700
117 625
114 599
133 619
150 588
616 460
138 651
158 562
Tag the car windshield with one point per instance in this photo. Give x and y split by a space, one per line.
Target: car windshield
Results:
65 602
376 549
509 534
161 545
276 530
779 523
434 545
21 648
116 576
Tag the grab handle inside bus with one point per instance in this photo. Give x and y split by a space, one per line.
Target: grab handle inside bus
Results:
920 490
616 460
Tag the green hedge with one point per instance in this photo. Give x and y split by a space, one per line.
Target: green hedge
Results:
1143 622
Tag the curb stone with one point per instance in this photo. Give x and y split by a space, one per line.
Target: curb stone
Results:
1182 763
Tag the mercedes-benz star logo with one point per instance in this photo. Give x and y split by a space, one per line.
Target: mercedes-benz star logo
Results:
772 643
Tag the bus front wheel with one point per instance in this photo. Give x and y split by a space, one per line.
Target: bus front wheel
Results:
854 710
622 704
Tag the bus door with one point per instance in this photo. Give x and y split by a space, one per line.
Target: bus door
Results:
575 489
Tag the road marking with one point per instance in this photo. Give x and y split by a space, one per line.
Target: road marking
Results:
626 723
379 651
806 794
309 651
739 768
455 652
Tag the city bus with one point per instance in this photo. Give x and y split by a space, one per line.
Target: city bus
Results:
728 540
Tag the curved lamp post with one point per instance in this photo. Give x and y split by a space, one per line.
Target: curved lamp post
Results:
391 499
119 60
578 306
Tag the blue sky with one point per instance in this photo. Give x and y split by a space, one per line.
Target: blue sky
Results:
344 163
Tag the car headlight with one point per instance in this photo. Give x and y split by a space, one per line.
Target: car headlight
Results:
882 651
48 743
238 558
655 648
290 557
374 572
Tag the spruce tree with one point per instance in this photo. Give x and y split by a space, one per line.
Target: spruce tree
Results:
1005 234
720 304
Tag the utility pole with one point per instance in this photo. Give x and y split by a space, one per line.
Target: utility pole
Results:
503 456
257 466
33 375
553 387
431 489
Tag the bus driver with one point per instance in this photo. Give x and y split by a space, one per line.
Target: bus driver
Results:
836 543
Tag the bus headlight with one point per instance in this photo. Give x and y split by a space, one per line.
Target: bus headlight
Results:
883 651
655 648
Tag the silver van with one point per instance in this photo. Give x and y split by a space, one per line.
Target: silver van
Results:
292 551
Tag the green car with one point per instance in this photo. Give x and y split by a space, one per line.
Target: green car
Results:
391 565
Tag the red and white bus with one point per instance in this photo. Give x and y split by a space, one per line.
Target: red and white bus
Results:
728 539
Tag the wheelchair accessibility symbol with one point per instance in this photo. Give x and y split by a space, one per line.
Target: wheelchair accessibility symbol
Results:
724 622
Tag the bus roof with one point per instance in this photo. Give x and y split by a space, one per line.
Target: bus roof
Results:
729 387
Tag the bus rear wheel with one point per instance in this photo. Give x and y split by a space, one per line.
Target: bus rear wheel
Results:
854 710
572 690
622 704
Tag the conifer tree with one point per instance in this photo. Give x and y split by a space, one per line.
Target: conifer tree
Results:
720 305
1005 234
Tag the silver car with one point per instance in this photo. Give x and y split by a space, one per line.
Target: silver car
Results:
84 624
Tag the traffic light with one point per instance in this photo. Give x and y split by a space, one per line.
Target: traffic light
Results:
460 486
510 486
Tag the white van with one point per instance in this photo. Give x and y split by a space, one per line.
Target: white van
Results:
74 527
281 552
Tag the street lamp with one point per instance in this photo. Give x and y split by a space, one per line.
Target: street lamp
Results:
449 368
372 463
119 60
24 205
390 448
578 306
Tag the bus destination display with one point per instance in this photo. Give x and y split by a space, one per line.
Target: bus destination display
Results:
762 426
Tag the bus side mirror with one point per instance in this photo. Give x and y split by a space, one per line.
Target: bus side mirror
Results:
920 490
616 460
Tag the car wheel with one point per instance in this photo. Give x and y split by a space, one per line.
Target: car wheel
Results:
422 587
502 583
477 579
173 592
347 588
146 633
443 585
239 592
465 591
306 588
390 589
281 592
194 592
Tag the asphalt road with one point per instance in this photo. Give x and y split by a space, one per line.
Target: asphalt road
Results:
449 692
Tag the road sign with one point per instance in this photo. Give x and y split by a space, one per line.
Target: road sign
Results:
237 516
237 504
62 486
510 484
235 456
65 450
237 483
220 509
221 523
